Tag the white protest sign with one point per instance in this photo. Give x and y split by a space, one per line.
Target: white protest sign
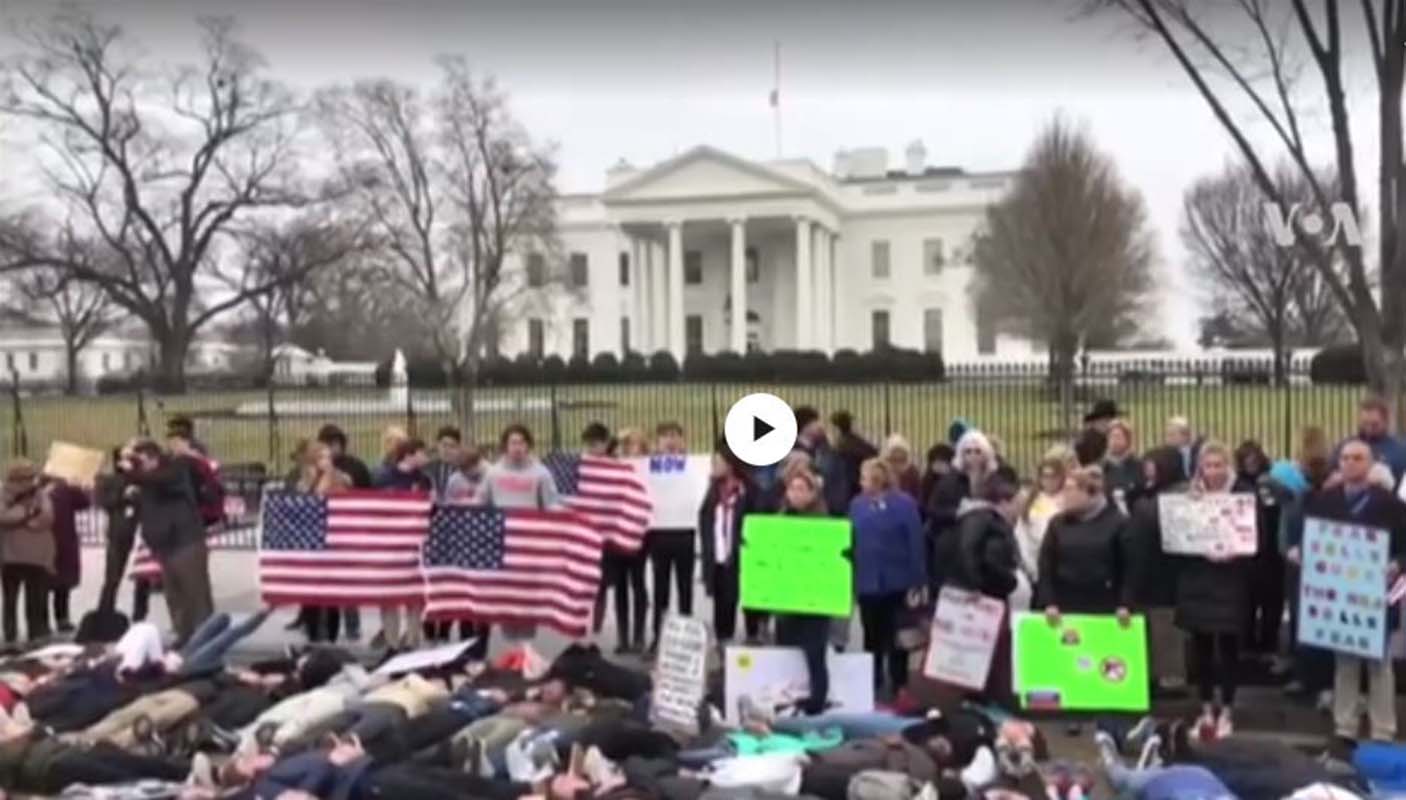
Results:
417 660
965 627
676 485
680 673
1209 524
775 678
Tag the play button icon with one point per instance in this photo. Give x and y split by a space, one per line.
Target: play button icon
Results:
760 429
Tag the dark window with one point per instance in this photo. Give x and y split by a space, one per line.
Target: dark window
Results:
934 257
879 258
624 269
536 338
693 334
932 330
581 338
754 265
985 332
580 270
33 362
536 269
880 327
624 334
692 267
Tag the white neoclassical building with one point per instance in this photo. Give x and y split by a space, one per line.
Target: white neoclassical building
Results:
707 252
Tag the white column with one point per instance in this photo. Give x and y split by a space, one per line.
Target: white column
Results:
676 327
639 299
659 311
836 266
739 285
804 304
820 329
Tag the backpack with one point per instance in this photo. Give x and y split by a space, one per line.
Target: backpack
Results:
209 490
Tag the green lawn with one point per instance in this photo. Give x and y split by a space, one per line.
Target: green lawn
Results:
1019 411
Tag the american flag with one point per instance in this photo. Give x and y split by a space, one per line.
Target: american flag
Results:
356 548
608 493
514 566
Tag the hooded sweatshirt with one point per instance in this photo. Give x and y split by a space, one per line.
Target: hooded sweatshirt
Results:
526 485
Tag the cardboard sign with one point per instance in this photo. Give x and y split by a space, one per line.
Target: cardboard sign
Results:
1087 663
680 673
676 486
775 678
1343 589
76 465
797 564
1211 524
965 627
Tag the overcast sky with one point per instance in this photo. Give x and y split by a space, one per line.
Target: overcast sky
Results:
645 79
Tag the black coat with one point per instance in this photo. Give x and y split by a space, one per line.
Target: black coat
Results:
1123 479
170 518
983 558
1083 563
355 469
1212 596
1151 572
749 503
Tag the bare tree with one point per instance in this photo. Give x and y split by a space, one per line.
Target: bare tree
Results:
455 188
155 168
81 312
1257 283
1260 72
1066 255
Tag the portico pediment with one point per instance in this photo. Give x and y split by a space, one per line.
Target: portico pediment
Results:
704 173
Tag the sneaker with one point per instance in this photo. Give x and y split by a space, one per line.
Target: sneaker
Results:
1110 733
1205 727
1136 737
202 772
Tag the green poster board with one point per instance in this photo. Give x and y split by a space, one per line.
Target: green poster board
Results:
796 564
1087 663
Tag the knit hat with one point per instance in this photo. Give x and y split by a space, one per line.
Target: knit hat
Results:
957 430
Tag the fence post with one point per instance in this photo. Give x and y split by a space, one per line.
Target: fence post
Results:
888 409
409 410
713 410
143 424
272 421
1288 391
556 418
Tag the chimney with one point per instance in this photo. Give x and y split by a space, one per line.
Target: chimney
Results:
841 168
917 158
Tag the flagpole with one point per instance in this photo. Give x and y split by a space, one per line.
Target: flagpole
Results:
776 93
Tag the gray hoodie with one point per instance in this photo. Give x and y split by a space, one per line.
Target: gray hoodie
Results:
529 485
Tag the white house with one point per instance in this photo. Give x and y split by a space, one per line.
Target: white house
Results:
669 257
295 366
38 357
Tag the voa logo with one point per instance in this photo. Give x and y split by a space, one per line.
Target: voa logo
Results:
1284 226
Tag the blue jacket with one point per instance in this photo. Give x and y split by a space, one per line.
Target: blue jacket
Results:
888 544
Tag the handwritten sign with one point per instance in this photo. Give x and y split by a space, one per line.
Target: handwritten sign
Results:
76 465
797 564
775 678
964 631
1086 663
680 675
1343 590
1211 524
676 486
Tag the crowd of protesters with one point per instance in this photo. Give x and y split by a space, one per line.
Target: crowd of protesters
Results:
1081 536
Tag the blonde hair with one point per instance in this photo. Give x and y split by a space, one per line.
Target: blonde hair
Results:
1212 448
895 444
880 468
1123 425
1064 454
391 438
633 442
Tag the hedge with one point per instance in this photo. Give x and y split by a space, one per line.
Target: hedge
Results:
1340 364
783 366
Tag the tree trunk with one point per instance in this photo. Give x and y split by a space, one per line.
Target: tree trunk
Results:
171 372
1064 350
71 365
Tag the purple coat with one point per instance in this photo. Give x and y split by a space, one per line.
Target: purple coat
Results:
68 501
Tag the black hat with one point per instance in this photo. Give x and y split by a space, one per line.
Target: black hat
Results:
1102 410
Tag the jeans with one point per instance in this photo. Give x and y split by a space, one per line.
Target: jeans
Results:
854 725
811 633
205 651
879 615
412 637
1381 697
1204 648
671 553
34 580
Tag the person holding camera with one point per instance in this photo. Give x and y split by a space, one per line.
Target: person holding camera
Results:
121 509
27 548
172 529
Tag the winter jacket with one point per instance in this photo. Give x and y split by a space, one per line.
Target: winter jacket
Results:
888 544
390 477
886 753
1151 572
984 557
313 773
1083 563
68 501
748 502
27 528
170 518
355 469
853 450
831 468
1212 596
1123 478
